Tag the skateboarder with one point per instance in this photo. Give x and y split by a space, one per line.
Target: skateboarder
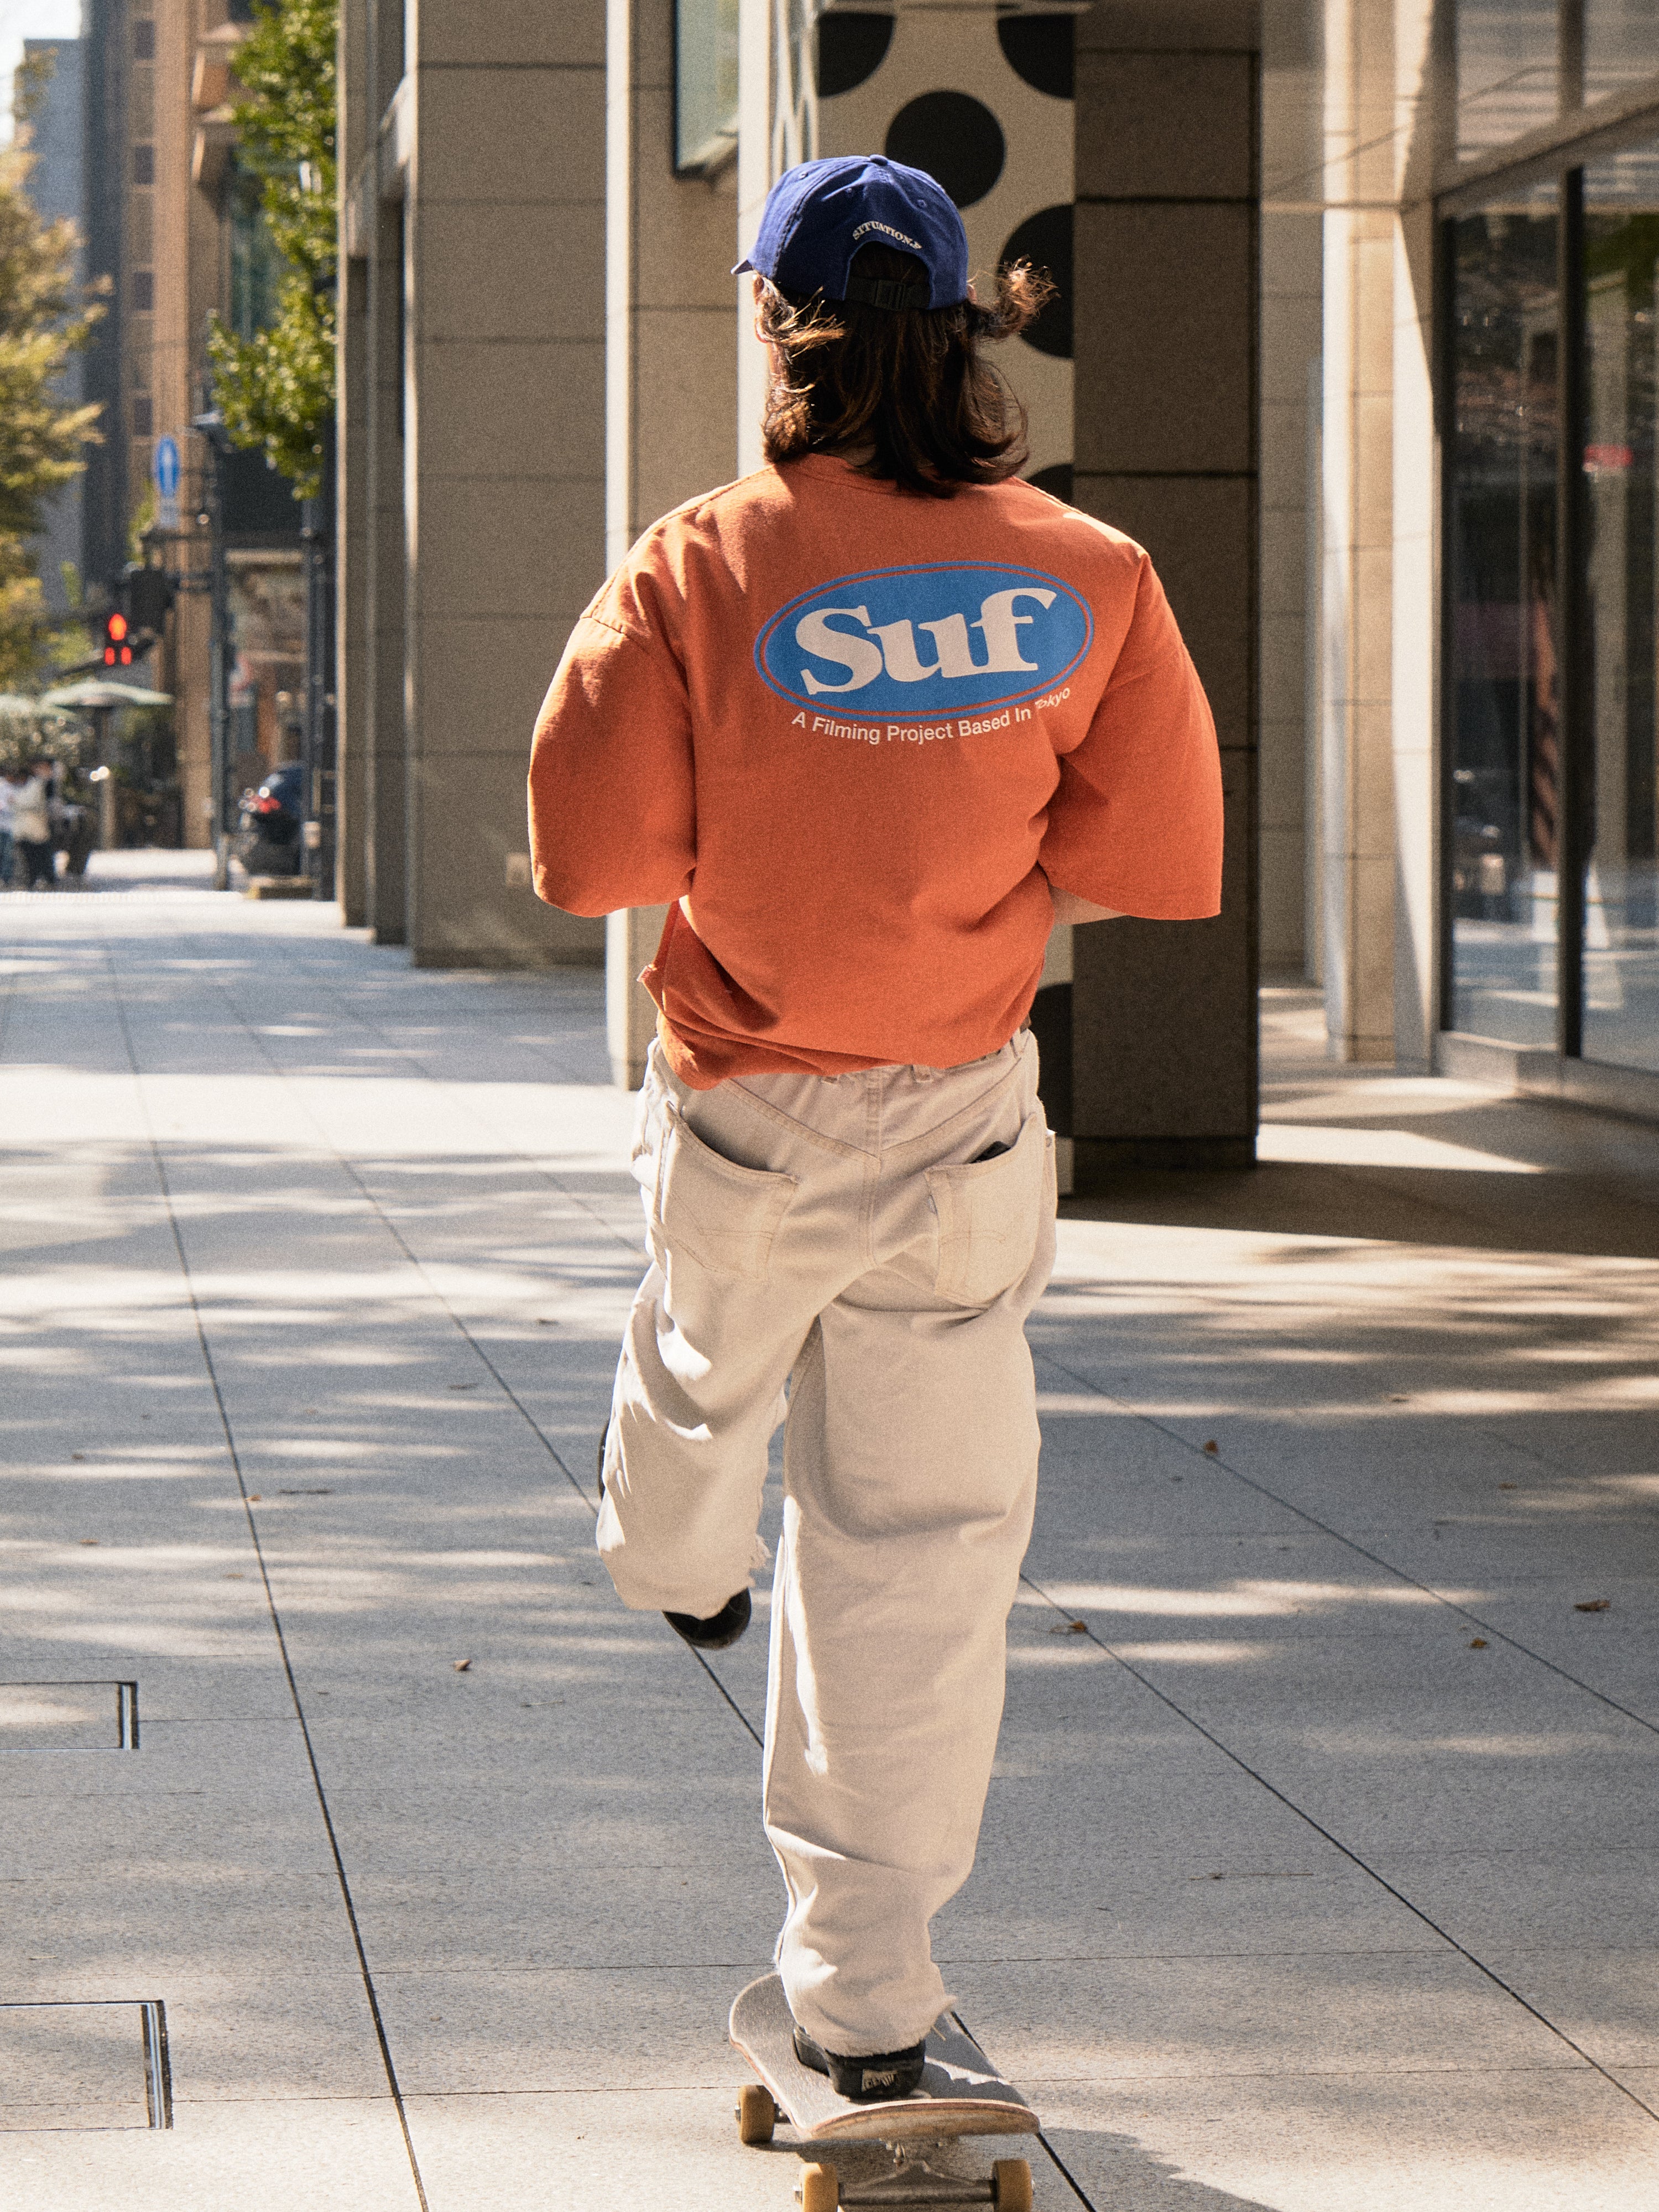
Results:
869 721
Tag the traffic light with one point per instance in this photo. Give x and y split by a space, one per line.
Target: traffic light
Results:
148 595
118 642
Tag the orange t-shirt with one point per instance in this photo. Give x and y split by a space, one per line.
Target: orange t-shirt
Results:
851 735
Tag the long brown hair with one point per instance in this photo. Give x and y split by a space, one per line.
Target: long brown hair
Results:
909 381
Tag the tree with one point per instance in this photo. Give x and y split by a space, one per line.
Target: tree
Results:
276 388
45 318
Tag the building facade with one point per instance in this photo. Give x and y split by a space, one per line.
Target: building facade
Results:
1354 334
51 125
174 227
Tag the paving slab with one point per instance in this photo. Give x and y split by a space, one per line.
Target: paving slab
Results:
1289 1894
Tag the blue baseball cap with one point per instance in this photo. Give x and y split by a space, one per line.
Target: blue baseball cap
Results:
817 216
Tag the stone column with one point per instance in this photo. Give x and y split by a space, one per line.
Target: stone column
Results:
380 214
354 137
1292 115
502 114
1378 745
1164 1027
671 373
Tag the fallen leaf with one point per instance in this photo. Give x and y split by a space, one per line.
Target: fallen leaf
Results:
1509 1485
1070 1628
233 1578
461 1665
1477 1644
88 1539
463 1386
1213 1446
255 1498
1593 1605
546 1321
1400 1397
77 1454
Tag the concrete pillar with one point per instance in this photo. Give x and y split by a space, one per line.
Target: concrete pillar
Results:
381 219
355 138
671 373
1378 747
499 132
1163 1021
1292 115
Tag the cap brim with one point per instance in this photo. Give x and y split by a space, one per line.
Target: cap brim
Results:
741 266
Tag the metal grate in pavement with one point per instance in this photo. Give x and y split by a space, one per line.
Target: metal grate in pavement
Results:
96 2064
69 1716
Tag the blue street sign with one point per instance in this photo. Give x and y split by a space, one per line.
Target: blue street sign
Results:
166 466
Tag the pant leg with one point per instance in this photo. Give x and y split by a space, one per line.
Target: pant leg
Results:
751 1224
910 1478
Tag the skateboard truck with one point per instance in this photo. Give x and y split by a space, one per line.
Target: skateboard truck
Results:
912 2181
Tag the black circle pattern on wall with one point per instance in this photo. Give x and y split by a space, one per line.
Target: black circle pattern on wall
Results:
955 137
852 46
1041 49
1045 240
1057 480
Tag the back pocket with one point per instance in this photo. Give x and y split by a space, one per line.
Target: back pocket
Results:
723 1216
989 1214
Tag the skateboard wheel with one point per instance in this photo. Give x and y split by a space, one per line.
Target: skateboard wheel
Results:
1011 2185
757 2114
820 2189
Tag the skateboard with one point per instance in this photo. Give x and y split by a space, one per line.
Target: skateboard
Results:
961 2093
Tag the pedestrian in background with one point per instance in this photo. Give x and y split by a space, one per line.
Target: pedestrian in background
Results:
32 825
869 722
7 793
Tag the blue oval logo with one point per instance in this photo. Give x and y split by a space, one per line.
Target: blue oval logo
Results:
924 642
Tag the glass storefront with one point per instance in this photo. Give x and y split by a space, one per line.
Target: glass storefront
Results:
1551 544
1621 928
1508 70
1505 733
1622 44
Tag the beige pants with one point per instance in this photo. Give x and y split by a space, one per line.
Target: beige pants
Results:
845 1236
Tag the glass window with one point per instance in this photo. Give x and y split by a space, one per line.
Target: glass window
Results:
1505 738
1622 891
1622 44
256 267
705 83
1508 70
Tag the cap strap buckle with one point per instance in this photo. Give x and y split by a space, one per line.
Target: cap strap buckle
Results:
886 292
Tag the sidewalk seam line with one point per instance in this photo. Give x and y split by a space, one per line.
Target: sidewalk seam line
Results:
206 1350
1352 1856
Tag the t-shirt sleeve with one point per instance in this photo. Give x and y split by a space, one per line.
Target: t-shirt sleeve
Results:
612 810
1135 824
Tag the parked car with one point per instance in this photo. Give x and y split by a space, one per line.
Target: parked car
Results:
268 839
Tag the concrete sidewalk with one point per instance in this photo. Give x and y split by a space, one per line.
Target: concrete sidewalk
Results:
1319 1870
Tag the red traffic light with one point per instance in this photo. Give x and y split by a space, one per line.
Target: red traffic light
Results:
115 648
115 627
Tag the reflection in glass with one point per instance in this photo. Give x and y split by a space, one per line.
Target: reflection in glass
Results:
1621 928
1622 44
705 84
1508 70
1505 742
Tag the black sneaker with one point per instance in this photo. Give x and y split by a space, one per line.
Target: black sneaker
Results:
875 2079
719 1629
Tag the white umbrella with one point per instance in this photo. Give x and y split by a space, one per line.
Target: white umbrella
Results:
14 702
95 693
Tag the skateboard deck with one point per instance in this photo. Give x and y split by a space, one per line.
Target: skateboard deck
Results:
962 2093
